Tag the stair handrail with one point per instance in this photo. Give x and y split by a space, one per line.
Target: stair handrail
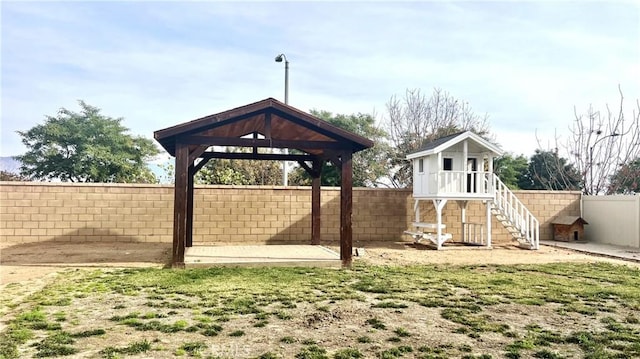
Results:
517 213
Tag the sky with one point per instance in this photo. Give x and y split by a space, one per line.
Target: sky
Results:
156 64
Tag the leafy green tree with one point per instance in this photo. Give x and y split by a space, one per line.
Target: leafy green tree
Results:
549 171
369 166
85 146
511 169
626 180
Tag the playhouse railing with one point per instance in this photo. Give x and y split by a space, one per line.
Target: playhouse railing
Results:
457 182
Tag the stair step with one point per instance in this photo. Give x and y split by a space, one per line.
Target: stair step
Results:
513 221
526 245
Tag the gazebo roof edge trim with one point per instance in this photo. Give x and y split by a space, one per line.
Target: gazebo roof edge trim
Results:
208 120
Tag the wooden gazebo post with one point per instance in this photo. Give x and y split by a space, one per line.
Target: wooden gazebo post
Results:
315 201
180 209
346 203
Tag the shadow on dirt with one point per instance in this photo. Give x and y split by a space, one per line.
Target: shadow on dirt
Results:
112 249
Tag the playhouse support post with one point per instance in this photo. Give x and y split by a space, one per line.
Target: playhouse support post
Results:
439 204
463 218
465 166
488 224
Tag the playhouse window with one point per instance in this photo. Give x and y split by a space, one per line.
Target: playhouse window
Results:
421 165
448 164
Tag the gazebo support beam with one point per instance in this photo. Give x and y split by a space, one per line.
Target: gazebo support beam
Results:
257 142
197 153
346 202
258 156
198 167
180 204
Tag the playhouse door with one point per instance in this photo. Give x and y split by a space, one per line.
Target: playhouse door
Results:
472 168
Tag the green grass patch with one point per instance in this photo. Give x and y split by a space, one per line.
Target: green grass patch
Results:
261 323
267 355
476 323
288 340
547 354
137 347
402 332
376 323
193 348
396 352
281 314
390 304
54 345
89 333
312 352
349 353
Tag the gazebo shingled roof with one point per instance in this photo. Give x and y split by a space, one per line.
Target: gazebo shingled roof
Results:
282 126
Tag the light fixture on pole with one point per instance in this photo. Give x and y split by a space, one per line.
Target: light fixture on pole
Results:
279 58
591 158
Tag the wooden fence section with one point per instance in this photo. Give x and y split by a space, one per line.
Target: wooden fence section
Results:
34 212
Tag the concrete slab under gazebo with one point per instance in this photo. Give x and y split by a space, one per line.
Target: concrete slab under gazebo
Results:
264 124
260 255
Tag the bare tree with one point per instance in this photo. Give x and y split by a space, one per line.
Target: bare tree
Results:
415 120
601 142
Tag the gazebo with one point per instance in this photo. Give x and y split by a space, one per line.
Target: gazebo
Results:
269 124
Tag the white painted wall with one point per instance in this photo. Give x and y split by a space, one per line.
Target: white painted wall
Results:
612 220
420 178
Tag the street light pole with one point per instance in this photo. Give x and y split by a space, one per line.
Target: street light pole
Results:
279 58
591 159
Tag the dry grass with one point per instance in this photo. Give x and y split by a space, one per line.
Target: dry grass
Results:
421 311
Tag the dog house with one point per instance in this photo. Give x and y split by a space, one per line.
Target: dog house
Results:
568 228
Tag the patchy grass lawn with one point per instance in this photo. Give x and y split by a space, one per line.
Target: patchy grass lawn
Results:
542 311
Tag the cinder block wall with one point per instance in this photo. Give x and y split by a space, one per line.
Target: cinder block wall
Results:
33 212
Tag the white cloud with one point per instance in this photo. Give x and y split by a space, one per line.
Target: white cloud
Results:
158 64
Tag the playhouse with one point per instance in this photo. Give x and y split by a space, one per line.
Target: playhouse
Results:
459 167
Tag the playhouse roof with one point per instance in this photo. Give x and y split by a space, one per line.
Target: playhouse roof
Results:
445 142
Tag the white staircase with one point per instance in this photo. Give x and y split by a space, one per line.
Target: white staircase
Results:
514 216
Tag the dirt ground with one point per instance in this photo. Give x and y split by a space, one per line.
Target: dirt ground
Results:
39 261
